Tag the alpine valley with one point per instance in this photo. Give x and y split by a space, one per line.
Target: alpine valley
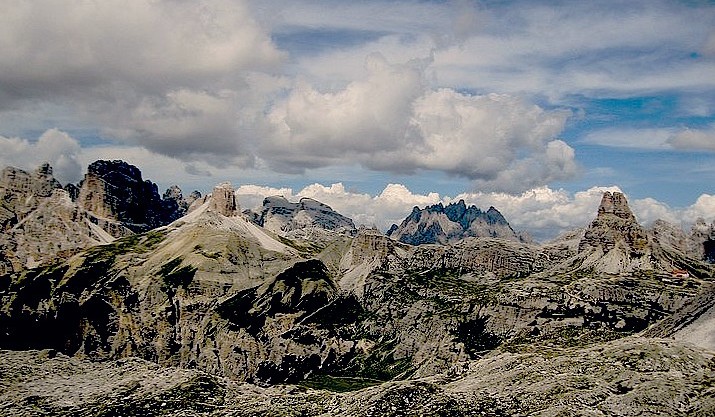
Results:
118 301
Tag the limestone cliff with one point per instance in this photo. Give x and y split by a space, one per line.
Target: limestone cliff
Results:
615 242
42 222
21 192
115 190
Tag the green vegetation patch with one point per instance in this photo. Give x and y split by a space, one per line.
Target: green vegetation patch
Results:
451 286
380 364
140 243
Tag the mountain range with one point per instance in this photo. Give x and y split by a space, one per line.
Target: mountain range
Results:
193 306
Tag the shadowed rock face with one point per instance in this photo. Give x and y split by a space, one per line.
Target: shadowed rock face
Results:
439 224
116 190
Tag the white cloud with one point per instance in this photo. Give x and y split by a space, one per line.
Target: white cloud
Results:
53 146
701 139
180 78
141 43
390 206
704 207
251 196
599 49
393 121
646 138
655 138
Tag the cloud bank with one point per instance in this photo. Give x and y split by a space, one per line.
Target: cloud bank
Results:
543 212
393 121
53 146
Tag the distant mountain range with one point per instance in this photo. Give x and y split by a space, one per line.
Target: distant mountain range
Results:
428 319
439 224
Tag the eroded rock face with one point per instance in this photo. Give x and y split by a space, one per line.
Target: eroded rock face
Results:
615 223
223 200
439 224
619 241
702 240
43 221
21 192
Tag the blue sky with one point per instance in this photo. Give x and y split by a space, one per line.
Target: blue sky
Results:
488 100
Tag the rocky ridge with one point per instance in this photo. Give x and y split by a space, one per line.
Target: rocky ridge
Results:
456 221
42 221
215 291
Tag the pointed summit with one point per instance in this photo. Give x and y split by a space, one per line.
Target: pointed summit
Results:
223 200
616 205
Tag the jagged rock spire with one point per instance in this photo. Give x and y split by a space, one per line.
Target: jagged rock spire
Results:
615 204
223 199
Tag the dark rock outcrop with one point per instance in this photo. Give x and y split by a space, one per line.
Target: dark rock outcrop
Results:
115 190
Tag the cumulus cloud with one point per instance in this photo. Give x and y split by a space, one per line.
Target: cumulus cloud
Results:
54 146
388 207
393 121
703 208
143 44
176 77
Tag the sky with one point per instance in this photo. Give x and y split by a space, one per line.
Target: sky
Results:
375 106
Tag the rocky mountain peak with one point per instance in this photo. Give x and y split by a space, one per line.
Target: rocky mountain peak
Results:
115 190
21 192
280 215
615 203
615 239
223 200
445 224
